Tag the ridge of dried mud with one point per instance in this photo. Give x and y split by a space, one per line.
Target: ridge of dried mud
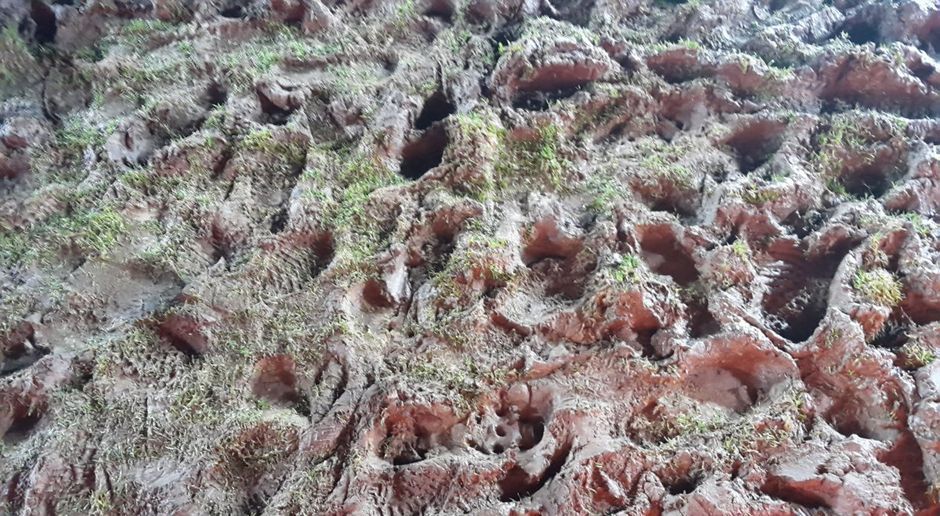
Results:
469 256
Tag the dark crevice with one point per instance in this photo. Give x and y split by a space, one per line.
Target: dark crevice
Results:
424 153
893 334
540 100
45 22
14 492
701 321
274 115
519 484
436 108
24 421
755 143
922 70
872 181
930 42
279 221
797 299
861 30
803 224
234 12
441 9
531 431
215 95
684 485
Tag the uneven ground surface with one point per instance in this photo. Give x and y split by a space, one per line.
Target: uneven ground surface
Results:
469 256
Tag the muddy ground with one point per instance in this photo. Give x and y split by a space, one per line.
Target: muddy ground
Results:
469 256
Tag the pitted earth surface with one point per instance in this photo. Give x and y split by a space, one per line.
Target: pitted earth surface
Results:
469 257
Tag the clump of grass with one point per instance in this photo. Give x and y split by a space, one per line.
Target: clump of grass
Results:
11 47
77 134
464 382
264 141
759 196
628 271
540 160
879 286
665 160
92 232
741 249
604 192
918 355
920 225
687 44
138 32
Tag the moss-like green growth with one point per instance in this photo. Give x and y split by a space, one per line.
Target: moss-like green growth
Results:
879 286
538 162
918 355
687 44
629 270
848 137
604 192
664 159
741 249
78 134
759 196
90 232
11 46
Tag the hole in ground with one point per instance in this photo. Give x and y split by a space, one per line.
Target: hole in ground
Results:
861 30
531 431
26 414
930 42
873 180
797 298
234 12
215 95
755 143
576 12
519 484
424 153
275 380
441 9
701 321
554 82
905 455
804 223
375 294
184 334
665 254
893 334
44 19
684 485
274 115
554 257
435 109
279 220
19 350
